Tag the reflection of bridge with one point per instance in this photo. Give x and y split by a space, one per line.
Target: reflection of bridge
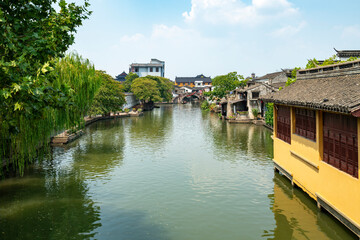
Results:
187 96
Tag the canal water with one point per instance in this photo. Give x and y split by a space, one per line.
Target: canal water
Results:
176 173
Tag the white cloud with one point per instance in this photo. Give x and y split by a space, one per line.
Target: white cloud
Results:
288 30
351 32
134 38
237 12
172 33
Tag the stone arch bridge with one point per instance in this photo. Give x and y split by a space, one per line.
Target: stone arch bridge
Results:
183 96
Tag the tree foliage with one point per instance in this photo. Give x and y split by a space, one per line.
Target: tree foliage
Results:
146 90
152 89
225 83
109 98
128 81
35 101
269 114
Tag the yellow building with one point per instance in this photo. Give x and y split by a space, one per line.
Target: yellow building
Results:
316 131
198 81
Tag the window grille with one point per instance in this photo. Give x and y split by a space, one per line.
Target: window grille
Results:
341 142
283 124
305 123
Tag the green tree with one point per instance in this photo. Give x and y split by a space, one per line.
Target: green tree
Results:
33 102
225 83
128 81
269 114
109 98
165 87
146 90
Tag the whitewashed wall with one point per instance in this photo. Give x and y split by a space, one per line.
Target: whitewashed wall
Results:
131 101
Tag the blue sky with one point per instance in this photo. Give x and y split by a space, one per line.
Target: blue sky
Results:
214 37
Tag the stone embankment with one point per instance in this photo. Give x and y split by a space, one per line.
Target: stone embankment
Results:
67 137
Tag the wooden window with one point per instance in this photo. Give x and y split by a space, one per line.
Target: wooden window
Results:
341 142
283 130
305 123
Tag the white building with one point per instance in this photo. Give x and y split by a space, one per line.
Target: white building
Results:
154 68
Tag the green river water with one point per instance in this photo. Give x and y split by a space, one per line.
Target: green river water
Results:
176 173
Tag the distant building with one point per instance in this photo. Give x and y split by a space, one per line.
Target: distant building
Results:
346 54
198 81
154 68
121 77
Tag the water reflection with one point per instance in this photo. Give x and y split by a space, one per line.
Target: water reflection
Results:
48 204
101 149
151 130
239 139
297 216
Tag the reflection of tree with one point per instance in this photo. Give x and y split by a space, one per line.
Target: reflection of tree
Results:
238 139
297 216
153 128
103 149
53 204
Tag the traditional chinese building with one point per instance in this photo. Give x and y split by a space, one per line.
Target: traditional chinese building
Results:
154 68
316 132
346 54
121 77
198 81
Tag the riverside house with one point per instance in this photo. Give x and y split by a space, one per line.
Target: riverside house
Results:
316 132
198 81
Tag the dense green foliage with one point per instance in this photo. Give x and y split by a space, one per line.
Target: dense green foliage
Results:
109 98
269 114
225 83
152 89
205 105
128 81
146 90
35 98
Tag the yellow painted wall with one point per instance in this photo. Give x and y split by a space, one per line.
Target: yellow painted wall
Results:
340 189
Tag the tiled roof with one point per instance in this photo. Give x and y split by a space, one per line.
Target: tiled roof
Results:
146 65
268 76
193 79
333 88
347 53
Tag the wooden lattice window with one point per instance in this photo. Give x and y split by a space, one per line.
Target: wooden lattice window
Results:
341 142
283 130
305 123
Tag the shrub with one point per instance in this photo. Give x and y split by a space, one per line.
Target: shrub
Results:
205 105
255 112
127 110
269 114
213 107
139 110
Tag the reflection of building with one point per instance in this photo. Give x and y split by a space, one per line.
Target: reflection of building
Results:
198 81
154 68
316 131
297 216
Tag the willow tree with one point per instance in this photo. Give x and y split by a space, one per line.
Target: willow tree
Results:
33 101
